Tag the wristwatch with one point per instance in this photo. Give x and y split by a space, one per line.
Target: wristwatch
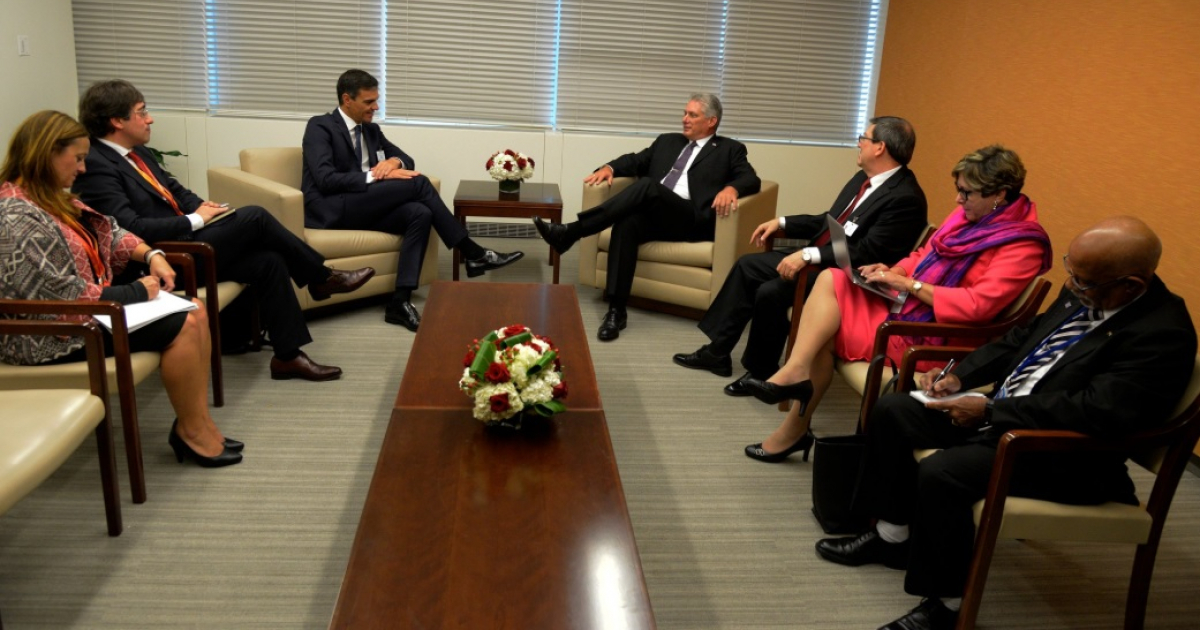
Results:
151 254
917 286
807 257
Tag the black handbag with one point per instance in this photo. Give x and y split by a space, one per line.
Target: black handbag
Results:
838 467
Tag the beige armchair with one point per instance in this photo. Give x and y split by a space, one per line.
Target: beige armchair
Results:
679 278
270 177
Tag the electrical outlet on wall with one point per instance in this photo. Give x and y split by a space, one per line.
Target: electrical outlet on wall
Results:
23 46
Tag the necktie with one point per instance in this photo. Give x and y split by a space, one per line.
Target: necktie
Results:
1052 347
672 178
144 171
823 238
358 143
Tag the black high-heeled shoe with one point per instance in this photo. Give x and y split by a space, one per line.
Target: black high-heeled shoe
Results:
771 393
805 443
182 450
230 443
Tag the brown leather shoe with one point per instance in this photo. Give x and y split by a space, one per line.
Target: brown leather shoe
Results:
305 368
340 282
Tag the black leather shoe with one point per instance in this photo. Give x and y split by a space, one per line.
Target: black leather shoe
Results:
805 443
230 444
771 393
555 234
403 314
183 451
866 548
340 282
931 614
305 368
614 322
738 387
702 359
491 260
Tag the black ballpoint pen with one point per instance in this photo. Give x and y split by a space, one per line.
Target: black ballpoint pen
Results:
941 375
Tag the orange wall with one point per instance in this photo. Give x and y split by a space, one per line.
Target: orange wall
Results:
1101 98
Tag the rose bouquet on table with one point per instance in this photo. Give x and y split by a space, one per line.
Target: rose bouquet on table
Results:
510 371
510 165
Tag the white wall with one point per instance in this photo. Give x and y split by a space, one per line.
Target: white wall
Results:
809 177
45 79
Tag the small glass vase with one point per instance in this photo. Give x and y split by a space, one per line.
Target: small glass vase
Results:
510 185
509 424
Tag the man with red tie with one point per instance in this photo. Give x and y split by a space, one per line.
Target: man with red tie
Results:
252 247
883 210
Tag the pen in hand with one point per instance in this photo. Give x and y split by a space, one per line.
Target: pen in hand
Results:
940 376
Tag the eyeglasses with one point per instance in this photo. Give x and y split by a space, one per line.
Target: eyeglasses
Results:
1084 288
966 194
141 113
867 138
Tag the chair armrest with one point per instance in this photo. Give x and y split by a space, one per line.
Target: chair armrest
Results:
240 188
731 239
92 338
769 240
204 259
589 247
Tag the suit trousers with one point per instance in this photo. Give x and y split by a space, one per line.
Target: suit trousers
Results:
935 497
409 207
754 294
645 211
254 248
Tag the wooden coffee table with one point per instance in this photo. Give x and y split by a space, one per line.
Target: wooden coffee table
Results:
470 527
484 199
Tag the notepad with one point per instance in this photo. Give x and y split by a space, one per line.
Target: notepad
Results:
142 313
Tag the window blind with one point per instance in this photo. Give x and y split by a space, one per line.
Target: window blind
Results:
798 70
284 57
630 65
461 61
157 46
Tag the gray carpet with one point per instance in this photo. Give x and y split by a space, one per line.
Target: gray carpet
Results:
725 542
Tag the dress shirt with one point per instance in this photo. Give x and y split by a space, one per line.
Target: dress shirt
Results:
1030 381
364 163
815 253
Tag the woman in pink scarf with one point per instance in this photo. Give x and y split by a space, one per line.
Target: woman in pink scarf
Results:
981 258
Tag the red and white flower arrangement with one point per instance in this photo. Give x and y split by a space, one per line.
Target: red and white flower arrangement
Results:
510 165
510 371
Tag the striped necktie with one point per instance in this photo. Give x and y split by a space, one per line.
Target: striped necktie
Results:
144 171
672 178
1052 347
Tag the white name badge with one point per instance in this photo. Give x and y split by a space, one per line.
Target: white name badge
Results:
379 156
850 228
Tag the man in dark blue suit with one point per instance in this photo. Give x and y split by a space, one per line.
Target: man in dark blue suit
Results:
685 181
251 246
355 179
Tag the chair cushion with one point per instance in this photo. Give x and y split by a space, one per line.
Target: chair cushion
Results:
72 375
699 254
1046 520
39 430
347 243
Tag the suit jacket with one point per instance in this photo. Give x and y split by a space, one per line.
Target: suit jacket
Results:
889 221
113 186
1125 375
331 169
722 162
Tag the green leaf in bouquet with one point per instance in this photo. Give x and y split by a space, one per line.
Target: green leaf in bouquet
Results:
549 408
485 356
546 361
517 339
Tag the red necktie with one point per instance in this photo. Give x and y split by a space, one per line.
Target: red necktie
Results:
144 171
823 239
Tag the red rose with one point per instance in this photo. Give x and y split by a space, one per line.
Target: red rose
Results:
559 391
531 162
499 403
521 162
510 152
489 164
469 359
514 329
497 373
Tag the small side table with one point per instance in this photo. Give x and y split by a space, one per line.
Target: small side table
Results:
484 199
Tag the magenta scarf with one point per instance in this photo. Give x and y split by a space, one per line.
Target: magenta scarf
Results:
956 246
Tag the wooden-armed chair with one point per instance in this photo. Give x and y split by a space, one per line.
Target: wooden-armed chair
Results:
1164 451
677 277
216 296
124 369
41 428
